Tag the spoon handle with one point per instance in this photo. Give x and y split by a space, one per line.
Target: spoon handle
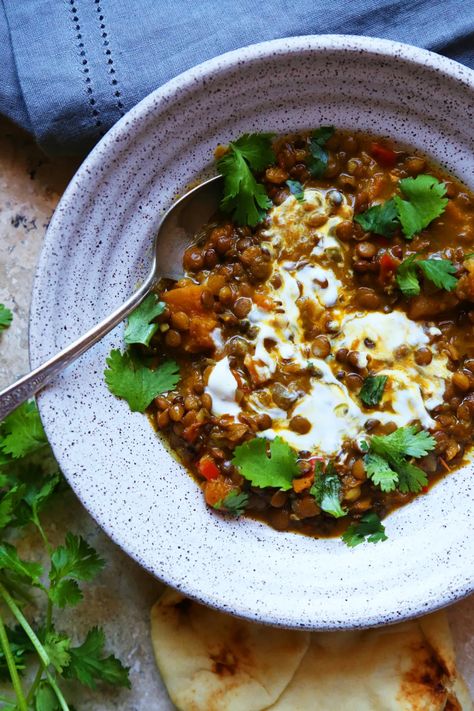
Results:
29 384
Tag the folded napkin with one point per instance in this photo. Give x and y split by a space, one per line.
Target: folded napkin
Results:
72 68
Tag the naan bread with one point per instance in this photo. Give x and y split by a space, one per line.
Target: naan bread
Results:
405 667
210 661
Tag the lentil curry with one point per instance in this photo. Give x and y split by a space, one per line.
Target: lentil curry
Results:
324 334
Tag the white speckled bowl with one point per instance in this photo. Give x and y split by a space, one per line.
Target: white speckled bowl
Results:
95 252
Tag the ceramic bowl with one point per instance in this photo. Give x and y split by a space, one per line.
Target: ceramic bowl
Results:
97 250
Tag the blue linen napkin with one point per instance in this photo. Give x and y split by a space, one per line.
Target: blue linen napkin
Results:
72 68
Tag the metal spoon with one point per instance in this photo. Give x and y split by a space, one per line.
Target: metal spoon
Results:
177 230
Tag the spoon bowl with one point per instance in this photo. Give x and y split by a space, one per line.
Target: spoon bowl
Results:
177 231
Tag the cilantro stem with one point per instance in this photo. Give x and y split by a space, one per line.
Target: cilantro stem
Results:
35 684
20 697
57 691
17 613
43 535
40 650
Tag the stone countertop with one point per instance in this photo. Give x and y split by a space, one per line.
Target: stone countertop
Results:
30 187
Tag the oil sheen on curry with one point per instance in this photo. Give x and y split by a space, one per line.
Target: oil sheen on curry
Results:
324 334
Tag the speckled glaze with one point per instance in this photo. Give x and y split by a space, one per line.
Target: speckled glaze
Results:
96 252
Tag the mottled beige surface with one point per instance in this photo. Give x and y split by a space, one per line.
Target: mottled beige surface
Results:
120 600
30 186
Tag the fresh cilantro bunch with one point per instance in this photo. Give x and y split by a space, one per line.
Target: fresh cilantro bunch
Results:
29 482
439 271
327 490
244 198
387 459
425 200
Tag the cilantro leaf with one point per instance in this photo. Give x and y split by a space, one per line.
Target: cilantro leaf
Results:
405 441
425 202
318 162
386 461
6 317
38 498
88 664
407 278
277 470
65 592
246 199
8 504
380 219
128 378
322 134
372 389
327 491
256 148
45 698
21 570
57 647
381 473
140 327
75 559
234 503
410 478
296 189
22 431
438 271
368 529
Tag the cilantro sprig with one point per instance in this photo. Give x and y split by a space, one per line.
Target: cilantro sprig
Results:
267 463
318 161
234 503
425 200
368 529
439 271
22 431
244 198
372 389
141 326
327 490
127 377
380 219
29 483
387 459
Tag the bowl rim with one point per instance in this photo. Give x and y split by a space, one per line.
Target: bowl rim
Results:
391 50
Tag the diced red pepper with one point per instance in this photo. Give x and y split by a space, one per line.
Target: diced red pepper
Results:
388 265
387 262
425 489
207 468
383 155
